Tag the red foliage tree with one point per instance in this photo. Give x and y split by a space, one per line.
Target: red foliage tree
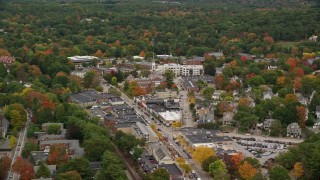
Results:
24 168
292 63
219 80
299 72
5 163
58 154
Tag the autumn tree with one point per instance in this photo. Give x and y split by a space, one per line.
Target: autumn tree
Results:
23 168
298 170
235 161
247 171
301 114
292 63
13 141
91 79
201 153
142 54
5 163
58 154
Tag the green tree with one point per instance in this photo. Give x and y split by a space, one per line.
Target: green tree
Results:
279 173
81 165
13 141
276 128
114 81
159 174
207 92
112 167
43 171
16 119
91 79
3 71
169 76
126 141
100 145
54 129
218 170
206 163
70 175
256 81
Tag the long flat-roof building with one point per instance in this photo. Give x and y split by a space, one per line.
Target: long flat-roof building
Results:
181 70
202 137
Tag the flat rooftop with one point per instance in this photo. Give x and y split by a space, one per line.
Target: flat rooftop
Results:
171 115
198 136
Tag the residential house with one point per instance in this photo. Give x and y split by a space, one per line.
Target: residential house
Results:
52 169
160 153
38 156
302 99
4 126
272 68
228 118
318 112
268 95
294 130
7 60
217 55
72 146
267 124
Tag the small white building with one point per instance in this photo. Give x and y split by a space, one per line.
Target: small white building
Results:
170 116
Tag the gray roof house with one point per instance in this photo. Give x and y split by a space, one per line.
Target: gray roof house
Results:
268 95
267 124
160 153
294 130
4 125
318 112
228 117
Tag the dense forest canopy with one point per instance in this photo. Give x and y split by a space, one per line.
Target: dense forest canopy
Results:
125 28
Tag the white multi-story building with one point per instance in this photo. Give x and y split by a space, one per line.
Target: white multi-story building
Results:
180 70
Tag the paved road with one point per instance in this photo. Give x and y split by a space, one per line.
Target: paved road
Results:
187 119
20 145
168 133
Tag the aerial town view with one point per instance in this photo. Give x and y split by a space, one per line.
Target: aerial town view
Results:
159 90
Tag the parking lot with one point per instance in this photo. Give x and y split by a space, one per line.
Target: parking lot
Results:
260 149
148 162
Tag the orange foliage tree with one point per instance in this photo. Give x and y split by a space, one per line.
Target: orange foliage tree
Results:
243 101
58 154
298 170
298 72
142 54
297 83
292 63
219 80
247 171
301 113
281 81
235 161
